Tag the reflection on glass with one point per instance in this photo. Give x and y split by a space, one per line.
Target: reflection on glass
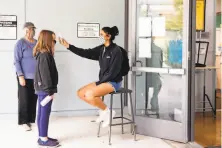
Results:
153 79
161 98
158 95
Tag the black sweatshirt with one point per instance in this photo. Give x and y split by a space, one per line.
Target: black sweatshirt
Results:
110 61
46 74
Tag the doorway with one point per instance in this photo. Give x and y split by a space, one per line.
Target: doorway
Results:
207 121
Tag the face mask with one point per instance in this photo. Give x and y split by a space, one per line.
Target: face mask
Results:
102 40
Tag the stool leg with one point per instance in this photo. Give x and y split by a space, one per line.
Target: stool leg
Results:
98 133
122 112
133 117
110 121
146 105
158 114
131 126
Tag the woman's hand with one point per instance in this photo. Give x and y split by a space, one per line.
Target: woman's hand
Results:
22 81
63 42
52 96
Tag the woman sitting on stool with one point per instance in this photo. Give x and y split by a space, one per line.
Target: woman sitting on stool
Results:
110 58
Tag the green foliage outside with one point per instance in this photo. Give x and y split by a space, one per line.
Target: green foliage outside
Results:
174 23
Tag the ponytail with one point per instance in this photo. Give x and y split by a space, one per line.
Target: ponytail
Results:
113 31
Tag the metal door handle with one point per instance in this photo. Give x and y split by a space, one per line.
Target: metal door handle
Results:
141 63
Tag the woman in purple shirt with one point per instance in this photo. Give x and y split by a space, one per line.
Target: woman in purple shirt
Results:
25 69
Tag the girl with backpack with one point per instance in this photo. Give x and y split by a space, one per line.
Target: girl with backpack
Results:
110 57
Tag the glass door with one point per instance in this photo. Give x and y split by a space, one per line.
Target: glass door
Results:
160 63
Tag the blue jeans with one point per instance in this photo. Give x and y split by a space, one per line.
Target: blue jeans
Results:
43 116
116 85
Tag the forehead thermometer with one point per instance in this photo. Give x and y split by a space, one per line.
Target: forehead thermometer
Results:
59 35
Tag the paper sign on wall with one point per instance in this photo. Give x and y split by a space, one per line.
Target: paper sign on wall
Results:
144 27
8 27
158 26
145 48
88 30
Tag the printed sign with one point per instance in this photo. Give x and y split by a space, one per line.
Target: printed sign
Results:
200 15
88 30
8 27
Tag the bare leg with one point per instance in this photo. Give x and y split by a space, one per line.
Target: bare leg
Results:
97 102
93 95
81 92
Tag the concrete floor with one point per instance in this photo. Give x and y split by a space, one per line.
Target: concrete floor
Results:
76 132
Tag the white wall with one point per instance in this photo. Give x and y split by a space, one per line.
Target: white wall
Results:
8 87
60 17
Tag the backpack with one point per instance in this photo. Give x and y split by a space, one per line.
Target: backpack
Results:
125 63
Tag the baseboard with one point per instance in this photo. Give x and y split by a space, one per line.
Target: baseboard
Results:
76 113
195 145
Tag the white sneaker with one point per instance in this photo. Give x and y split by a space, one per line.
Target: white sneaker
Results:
99 112
26 127
107 118
101 115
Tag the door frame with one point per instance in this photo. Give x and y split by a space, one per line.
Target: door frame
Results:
191 70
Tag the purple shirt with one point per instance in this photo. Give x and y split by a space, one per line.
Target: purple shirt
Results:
23 58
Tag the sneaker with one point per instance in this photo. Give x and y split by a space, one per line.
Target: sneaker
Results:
101 115
52 139
31 124
48 143
56 140
99 112
107 118
26 127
